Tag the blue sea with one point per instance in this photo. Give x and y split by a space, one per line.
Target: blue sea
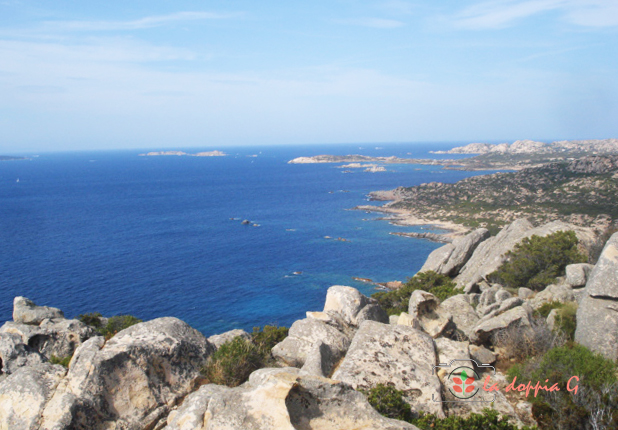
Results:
116 233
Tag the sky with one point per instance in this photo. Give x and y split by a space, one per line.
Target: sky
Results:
164 74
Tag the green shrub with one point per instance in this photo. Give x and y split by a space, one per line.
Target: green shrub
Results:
118 323
396 301
236 359
535 262
389 402
566 321
487 420
565 410
547 307
63 361
93 319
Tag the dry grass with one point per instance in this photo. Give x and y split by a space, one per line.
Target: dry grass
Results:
522 342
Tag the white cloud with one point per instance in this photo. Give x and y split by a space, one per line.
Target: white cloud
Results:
505 13
138 24
373 22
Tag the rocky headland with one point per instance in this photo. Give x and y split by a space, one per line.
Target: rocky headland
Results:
148 376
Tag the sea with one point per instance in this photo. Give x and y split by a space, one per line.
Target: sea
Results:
118 233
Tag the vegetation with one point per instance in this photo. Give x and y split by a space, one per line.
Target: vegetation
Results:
596 401
391 403
396 301
236 359
63 361
535 262
113 325
520 343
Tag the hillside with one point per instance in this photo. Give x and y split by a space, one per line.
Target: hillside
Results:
576 191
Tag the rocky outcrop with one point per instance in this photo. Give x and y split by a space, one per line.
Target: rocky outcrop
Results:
344 309
219 339
450 258
491 253
131 380
26 312
280 399
597 315
553 293
397 355
15 354
24 393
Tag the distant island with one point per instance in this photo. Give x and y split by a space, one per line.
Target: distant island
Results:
10 158
521 154
181 153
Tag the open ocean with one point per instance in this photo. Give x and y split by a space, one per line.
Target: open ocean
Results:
115 233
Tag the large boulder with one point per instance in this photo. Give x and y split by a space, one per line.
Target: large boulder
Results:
463 314
302 338
451 257
26 312
423 307
350 303
130 381
597 315
562 293
24 394
14 353
516 317
577 274
397 355
219 339
280 399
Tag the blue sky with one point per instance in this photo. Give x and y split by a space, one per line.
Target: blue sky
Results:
157 73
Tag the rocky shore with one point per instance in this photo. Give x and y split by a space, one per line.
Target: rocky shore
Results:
148 376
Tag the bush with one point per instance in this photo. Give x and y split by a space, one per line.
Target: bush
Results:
396 301
597 397
535 262
93 319
389 402
117 324
236 359
63 361
565 321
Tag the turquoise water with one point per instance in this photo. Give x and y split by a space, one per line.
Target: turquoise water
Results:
116 233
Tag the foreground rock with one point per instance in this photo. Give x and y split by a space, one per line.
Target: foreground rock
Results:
450 258
463 314
131 381
397 355
280 399
324 337
26 312
597 315
423 307
24 393
516 317
577 274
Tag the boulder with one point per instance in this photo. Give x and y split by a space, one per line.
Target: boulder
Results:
372 312
562 293
448 259
449 350
347 302
24 393
408 320
280 399
463 314
551 319
53 337
320 360
482 355
577 274
303 336
519 316
499 308
603 281
26 312
219 339
423 307
597 325
130 381
14 353
525 293
393 319
491 299
397 355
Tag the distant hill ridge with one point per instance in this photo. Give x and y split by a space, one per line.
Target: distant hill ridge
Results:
605 146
